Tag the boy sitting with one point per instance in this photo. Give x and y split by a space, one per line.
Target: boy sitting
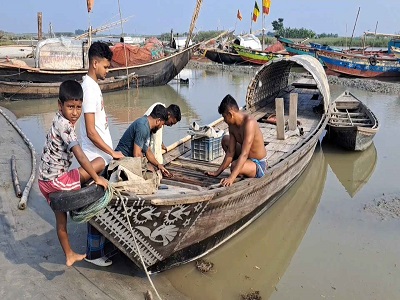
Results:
60 146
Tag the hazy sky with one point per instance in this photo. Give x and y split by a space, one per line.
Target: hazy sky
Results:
158 16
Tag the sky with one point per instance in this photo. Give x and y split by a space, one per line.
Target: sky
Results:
160 16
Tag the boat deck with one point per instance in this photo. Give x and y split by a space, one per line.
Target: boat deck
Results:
189 173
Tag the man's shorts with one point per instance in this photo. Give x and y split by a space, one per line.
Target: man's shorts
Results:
69 181
261 166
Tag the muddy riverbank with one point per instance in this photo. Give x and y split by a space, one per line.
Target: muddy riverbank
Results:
369 85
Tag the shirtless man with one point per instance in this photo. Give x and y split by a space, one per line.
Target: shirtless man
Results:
244 146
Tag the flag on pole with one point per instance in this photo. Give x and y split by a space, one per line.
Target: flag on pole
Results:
256 12
239 15
90 4
266 6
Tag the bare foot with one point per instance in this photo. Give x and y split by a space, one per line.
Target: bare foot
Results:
74 257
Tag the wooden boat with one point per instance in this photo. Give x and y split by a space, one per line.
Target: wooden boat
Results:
223 57
352 169
360 65
352 124
254 56
192 214
395 51
11 90
158 72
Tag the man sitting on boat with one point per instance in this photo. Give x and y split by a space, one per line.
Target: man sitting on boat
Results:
244 146
135 142
156 143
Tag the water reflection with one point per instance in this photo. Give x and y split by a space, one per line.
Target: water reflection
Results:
256 258
352 168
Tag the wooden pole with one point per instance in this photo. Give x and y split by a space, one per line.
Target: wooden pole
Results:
193 22
354 28
39 20
17 186
280 119
293 111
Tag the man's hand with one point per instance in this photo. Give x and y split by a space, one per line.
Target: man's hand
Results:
102 181
164 171
212 174
163 147
117 155
226 182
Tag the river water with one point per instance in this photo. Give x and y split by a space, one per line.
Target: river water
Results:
317 241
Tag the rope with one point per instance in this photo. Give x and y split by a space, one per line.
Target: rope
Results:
85 214
138 250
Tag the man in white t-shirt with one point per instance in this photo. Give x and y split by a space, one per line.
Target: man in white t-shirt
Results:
96 137
156 143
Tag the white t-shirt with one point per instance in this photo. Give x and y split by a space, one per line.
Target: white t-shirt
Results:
93 103
156 138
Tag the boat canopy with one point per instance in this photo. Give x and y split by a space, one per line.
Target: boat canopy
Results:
272 77
59 54
248 41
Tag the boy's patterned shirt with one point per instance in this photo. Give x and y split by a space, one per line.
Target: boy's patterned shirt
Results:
57 155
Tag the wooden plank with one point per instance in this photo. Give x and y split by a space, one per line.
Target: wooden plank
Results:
293 111
280 119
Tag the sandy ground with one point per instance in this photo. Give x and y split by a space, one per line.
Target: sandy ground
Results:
32 263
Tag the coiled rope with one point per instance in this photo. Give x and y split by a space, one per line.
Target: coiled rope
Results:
84 214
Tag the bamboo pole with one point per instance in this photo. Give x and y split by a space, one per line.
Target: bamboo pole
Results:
14 174
24 199
193 22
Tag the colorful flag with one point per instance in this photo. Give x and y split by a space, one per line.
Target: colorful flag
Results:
266 6
239 15
256 12
90 4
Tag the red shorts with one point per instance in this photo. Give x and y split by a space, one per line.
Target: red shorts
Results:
69 181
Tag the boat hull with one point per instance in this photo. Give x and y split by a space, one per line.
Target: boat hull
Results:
359 65
352 138
154 73
33 90
222 57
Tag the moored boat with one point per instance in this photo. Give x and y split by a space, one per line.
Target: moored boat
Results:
352 124
192 214
360 65
254 56
223 57
12 90
157 72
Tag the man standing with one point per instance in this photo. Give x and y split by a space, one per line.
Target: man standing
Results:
156 142
244 146
95 135
135 142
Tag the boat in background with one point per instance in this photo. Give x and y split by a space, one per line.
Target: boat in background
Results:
361 65
223 57
157 72
395 51
352 125
12 90
256 57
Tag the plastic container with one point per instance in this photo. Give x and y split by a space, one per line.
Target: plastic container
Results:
206 149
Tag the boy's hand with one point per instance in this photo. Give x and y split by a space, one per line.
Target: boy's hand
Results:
102 181
163 147
117 155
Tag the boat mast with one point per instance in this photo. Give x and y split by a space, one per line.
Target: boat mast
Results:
193 22
263 31
355 23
